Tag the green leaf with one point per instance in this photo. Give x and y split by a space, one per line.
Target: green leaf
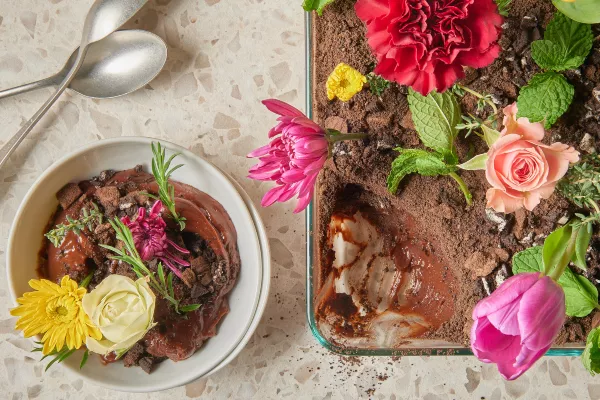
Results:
476 163
582 242
546 97
591 355
555 247
435 117
528 260
580 294
377 84
584 11
84 359
490 135
566 44
190 307
86 281
411 161
316 5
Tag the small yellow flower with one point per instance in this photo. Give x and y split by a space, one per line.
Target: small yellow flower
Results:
344 82
56 312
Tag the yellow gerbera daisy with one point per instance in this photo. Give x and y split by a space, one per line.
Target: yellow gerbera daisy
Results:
56 312
344 82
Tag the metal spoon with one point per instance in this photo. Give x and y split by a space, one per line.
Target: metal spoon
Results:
104 17
121 63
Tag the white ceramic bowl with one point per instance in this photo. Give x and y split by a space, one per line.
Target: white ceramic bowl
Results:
123 153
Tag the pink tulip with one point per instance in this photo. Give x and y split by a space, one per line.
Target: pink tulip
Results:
518 322
294 157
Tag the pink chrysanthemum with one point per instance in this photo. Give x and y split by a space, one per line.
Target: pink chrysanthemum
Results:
294 157
151 240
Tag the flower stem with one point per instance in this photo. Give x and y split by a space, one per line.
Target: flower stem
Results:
463 187
336 136
480 96
565 259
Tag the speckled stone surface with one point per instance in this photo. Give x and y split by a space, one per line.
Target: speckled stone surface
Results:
224 56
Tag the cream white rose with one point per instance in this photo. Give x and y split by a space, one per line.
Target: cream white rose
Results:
123 310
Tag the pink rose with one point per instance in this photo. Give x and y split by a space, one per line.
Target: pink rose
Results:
521 169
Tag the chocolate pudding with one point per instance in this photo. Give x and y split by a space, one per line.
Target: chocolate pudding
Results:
458 253
209 236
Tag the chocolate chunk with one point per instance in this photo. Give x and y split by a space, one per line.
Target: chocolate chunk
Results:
68 194
200 265
126 270
147 363
102 228
198 291
133 356
206 279
108 196
189 277
106 175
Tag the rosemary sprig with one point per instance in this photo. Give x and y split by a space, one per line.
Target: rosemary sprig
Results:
163 285
60 356
58 234
162 171
581 184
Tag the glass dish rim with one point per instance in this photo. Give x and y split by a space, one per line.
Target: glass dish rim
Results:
433 351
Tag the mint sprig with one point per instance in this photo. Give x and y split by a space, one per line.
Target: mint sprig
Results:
566 44
435 117
422 162
545 98
548 95
316 5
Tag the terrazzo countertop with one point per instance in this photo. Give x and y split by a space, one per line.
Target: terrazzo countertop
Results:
224 57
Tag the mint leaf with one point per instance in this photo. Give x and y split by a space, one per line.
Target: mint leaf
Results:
416 161
476 163
584 11
316 5
503 7
528 260
566 44
435 117
546 97
591 355
581 295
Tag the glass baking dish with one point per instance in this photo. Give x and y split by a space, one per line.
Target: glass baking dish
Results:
416 347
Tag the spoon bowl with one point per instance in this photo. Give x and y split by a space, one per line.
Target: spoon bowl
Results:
119 64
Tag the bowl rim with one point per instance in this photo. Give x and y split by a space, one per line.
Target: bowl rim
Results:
242 341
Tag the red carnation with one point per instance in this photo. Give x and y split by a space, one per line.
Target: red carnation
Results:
426 43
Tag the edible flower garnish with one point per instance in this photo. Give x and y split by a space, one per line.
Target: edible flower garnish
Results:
521 169
150 238
518 322
426 44
58 234
295 156
129 254
162 173
123 310
55 311
344 82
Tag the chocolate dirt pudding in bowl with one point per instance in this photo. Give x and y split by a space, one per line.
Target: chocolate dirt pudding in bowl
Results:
139 266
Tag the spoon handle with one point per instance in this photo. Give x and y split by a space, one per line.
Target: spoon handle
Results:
52 80
14 142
